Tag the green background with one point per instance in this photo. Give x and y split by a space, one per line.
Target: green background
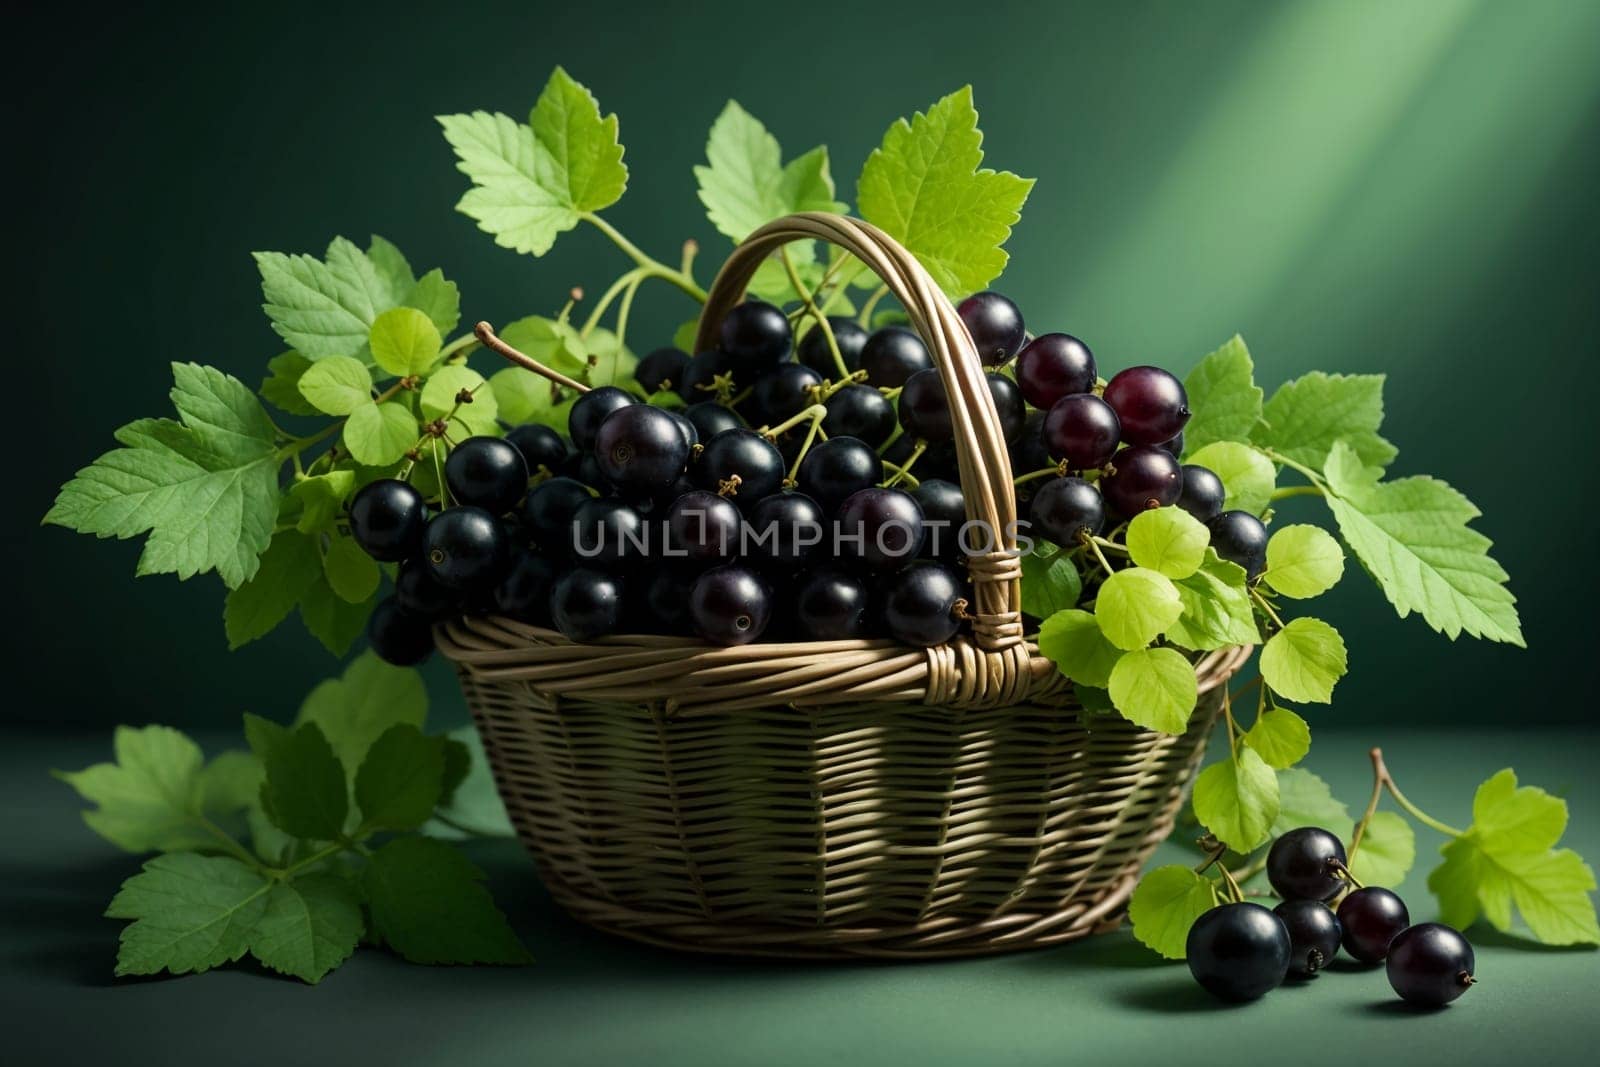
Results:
1398 187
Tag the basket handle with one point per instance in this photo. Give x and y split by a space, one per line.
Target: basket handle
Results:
981 451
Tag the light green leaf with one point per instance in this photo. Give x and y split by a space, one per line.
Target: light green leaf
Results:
1248 477
610 362
924 187
281 387
205 489
1168 540
1135 606
558 345
745 184
401 780
429 904
436 297
288 568
310 926
1237 800
320 498
352 574
1413 537
1154 688
370 697
333 621
1509 819
1307 416
522 397
460 395
1280 737
1303 561
1166 904
337 385
380 434
1304 660
1305 800
1223 396
323 308
1550 889
404 341
1073 642
1388 849
392 268
1050 581
1216 608
305 793
191 913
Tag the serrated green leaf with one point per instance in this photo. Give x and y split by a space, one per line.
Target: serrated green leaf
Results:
1305 418
323 307
370 697
428 903
1237 800
205 489
404 341
1304 661
288 567
1166 904
305 794
337 385
392 267
320 499
1248 477
191 913
1168 540
1223 396
1154 688
924 186
436 297
333 621
1072 640
1306 800
1135 606
446 396
1280 737
1509 819
473 806
281 386
401 780
380 434
1388 849
309 927
352 574
1550 889
1412 535
1303 561
1050 581
745 183
1216 608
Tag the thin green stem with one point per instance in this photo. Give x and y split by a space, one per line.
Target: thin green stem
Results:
1411 809
808 301
805 446
1312 476
622 322
1266 607
1089 541
1296 490
312 860
901 474
815 413
865 317
658 269
626 279
903 471
1042 472
1110 546
229 845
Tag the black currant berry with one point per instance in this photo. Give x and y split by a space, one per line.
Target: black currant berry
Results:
881 527
589 411
785 391
641 449
1371 918
919 604
995 324
924 408
1150 403
1430 965
422 595
1054 365
1202 494
704 527
524 593
1175 446
666 600
548 510
486 472
1008 405
859 411
786 530
1064 508
944 512
540 446
836 468
397 636
1241 538
699 376
387 518
892 355
1314 935
1142 477
1306 863
740 464
710 418
608 532
1028 452
831 604
465 548
1238 951
730 605
1082 430
756 335
661 369
814 352
586 604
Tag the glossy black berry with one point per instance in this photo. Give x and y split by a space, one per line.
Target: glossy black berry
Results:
1142 477
1306 863
924 408
1238 952
700 374
590 410
1241 538
1430 965
607 532
1371 918
486 472
836 468
419 593
466 548
1054 365
661 369
1202 494
756 335
524 593
641 449
880 527
919 604
1151 404
785 391
995 324
730 605
397 636
859 411
704 527
540 446
892 355
786 530
586 604
387 518
548 509
740 464
1064 508
831 604
1314 935
944 512
814 352
1082 430
1175 446
710 418
1008 405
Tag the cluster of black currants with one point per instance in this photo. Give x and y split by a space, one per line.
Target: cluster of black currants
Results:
1241 951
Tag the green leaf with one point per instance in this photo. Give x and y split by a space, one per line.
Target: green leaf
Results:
1248 477
558 345
1509 819
404 341
1413 538
1550 888
1216 608
378 435
337 385
323 308
745 183
191 913
1135 606
332 620
1237 800
924 187
305 793
1304 660
352 574
205 489
392 268
532 183
522 397
401 780
1072 640
1388 849
610 362
1155 688
1280 737
465 417
369 698
438 298
1223 396
310 926
428 903
1305 800
320 498
1303 561
1050 580
1166 904
1168 540
1306 417
288 568
473 805
281 387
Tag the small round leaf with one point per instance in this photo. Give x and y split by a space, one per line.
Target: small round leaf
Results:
1155 688
1303 561
1135 606
1168 540
404 341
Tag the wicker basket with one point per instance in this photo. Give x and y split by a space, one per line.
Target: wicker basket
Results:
832 799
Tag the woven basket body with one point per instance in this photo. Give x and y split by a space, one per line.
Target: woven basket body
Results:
849 798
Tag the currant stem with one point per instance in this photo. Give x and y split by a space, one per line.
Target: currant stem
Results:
1089 540
811 436
865 318
1267 607
1296 490
486 334
680 279
816 413
1042 472
904 470
808 300
1381 771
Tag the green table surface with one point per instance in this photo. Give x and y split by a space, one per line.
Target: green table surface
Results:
594 999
